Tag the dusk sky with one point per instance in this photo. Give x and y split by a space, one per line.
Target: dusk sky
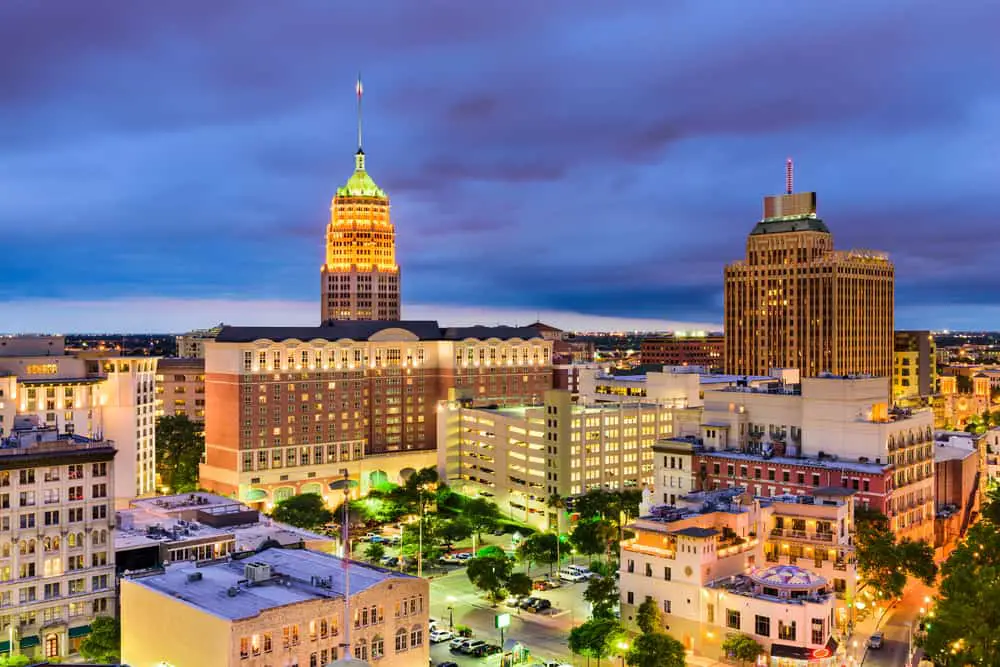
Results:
170 165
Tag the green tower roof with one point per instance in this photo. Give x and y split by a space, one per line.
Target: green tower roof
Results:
360 184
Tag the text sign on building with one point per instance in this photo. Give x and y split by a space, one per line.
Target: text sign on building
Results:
502 620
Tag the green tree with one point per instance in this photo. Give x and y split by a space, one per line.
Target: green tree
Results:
602 594
539 548
489 574
593 537
557 503
491 550
743 648
15 661
596 638
103 644
180 444
648 616
655 649
449 531
991 508
518 584
374 552
885 563
305 511
481 514
967 611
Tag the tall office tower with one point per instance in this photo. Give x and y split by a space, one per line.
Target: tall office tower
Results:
915 372
795 302
360 278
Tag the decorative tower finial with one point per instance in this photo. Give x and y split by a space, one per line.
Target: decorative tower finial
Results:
359 158
789 168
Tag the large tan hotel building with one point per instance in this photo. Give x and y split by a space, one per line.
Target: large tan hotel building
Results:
795 302
290 409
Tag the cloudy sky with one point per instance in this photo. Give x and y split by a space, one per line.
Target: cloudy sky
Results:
169 165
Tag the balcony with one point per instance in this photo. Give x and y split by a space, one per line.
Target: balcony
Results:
802 535
649 550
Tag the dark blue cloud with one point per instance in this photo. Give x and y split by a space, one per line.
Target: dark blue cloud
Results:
562 155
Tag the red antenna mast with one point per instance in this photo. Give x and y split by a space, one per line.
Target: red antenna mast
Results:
789 176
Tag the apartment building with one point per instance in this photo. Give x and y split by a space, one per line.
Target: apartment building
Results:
914 372
825 431
180 388
56 556
88 394
702 561
280 607
291 409
520 456
191 345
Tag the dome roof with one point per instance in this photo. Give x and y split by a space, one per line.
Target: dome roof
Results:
360 184
787 576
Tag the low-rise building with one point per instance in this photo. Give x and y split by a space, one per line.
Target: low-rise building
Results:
199 527
696 349
521 456
280 607
56 555
702 562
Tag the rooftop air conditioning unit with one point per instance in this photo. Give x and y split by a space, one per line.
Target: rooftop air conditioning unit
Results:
257 573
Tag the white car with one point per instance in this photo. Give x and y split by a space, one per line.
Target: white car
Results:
571 575
585 571
438 636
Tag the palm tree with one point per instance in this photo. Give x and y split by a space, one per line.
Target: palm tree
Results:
558 503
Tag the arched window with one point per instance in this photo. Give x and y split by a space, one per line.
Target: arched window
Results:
416 635
378 647
324 628
400 640
361 650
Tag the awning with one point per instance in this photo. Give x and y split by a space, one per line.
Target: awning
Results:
81 631
28 642
255 495
803 653
5 647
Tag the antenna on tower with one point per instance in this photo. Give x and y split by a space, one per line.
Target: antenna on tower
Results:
360 90
789 167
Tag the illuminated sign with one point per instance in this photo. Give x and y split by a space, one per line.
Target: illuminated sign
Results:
821 653
41 369
502 620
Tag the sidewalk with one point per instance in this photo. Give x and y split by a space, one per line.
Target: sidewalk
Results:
857 642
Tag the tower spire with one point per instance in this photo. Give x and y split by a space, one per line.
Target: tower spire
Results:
789 167
360 90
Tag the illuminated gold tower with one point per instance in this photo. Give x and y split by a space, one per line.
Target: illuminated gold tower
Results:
360 278
795 302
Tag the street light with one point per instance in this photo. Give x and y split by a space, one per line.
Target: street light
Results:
623 647
451 612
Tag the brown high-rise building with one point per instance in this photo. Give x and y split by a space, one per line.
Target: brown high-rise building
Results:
795 302
360 278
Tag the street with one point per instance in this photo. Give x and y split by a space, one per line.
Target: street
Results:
896 625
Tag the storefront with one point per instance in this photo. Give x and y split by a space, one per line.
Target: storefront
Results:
783 655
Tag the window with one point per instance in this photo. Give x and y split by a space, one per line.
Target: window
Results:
629 598
378 647
401 640
666 606
818 636
649 569
99 511
244 648
762 625
666 574
732 619
786 631
100 491
266 642
416 636
361 649
711 613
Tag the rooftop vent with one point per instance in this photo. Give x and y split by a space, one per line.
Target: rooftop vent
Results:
194 576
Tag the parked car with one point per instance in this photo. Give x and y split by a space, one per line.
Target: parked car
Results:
456 643
539 604
514 600
571 575
526 602
450 558
544 584
438 636
389 561
447 664
585 571
471 646
464 557
876 641
484 650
